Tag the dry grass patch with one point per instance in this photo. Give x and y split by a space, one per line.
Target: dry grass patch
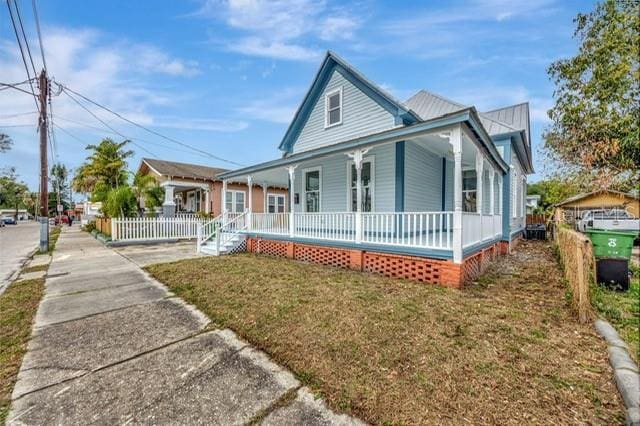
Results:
506 350
18 306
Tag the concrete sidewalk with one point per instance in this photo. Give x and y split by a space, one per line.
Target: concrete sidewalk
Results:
111 345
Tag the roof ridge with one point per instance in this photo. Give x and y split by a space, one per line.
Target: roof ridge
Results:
508 106
182 163
444 98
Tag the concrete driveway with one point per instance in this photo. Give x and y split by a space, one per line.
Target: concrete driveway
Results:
17 242
112 346
148 254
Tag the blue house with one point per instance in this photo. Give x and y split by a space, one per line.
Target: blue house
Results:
427 189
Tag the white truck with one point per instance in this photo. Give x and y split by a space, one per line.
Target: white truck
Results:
611 220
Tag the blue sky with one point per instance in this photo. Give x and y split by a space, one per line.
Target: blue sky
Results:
227 76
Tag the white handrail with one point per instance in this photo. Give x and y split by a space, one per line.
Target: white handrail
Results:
230 229
206 231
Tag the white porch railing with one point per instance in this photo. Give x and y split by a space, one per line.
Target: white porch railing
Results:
154 228
424 229
477 227
270 223
325 226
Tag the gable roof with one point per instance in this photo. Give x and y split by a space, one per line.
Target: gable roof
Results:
183 170
512 120
429 105
375 92
597 192
516 116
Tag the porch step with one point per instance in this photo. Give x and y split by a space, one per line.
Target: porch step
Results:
210 246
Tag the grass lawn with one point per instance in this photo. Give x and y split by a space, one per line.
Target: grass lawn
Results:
622 310
505 350
18 305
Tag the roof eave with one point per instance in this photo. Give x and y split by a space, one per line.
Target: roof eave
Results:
459 117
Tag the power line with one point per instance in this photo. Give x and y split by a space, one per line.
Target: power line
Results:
19 114
14 86
24 35
24 60
67 89
107 125
102 130
35 14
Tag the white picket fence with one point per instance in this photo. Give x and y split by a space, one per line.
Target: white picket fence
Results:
155 228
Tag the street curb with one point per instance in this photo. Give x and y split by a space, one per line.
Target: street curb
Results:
16 273
625 371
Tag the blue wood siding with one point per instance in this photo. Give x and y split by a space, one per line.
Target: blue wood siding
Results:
448 192
334 196
423 179
361 115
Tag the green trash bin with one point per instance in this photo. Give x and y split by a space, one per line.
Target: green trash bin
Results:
612 244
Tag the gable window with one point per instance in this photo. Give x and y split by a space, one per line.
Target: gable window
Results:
275 203
367 181
333 108
234 202
312 179
469 191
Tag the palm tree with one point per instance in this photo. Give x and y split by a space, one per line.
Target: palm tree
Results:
141 185
5 142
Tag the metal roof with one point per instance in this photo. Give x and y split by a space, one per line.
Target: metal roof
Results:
516 116
185 170
429 105
468 116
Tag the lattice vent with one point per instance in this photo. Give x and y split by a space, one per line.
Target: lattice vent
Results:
323 256
271 248
421 270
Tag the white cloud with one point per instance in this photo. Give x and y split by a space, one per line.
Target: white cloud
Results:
278 107
281 29
256 46
118 74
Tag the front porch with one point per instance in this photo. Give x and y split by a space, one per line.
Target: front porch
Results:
436 194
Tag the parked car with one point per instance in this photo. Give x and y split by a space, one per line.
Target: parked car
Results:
61 219
2 225
613 219
9 220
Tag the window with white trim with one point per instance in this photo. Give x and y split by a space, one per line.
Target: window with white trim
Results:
312 185
275 203
333 108
367 182
235 201
469 191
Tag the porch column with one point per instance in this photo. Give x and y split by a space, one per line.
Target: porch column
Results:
207 201
264 197
223 201
292 177
492 194
357 157
250 194
479 180
169 205
455 138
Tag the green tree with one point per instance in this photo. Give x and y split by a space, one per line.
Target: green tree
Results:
103 170
5 142
12 191
141 184
553 190
595 119
59 181
120 202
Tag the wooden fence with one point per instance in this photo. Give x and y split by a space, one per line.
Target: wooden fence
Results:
576 254
536 219
103 225
155 228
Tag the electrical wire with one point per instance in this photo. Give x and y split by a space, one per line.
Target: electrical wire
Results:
35 14
24 60
107 125
208 154
13 86
24 36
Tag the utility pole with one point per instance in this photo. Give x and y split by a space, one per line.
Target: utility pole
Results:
44 184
